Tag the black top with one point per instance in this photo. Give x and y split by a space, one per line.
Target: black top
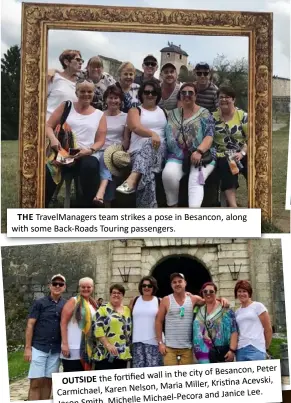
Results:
47 331
140 79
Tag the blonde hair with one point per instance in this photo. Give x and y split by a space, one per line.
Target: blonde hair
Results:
85 279
127 66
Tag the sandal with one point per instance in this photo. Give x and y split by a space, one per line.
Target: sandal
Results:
98 202
125 189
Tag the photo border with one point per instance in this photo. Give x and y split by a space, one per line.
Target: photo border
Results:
37 19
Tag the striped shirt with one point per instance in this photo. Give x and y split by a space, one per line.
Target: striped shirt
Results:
171 102
178 329
207 98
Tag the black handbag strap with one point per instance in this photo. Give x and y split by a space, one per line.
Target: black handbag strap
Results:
65 114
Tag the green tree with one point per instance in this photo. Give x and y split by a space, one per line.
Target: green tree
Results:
234 74
10 87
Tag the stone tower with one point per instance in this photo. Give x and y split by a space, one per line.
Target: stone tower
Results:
174 54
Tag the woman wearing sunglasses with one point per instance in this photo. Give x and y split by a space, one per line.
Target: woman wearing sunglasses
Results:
62 84
147 124
189 136
254 325
76 321
145 348
111 329
215 332
230 141
88 127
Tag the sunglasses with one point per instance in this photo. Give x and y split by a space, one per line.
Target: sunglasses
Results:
82 80
182 311
206 292
152 92
57 284
202 73
147 286
116 293
78 59
187 93
150 64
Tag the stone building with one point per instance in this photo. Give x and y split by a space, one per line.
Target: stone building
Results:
174 54
27 270
281 94
111 66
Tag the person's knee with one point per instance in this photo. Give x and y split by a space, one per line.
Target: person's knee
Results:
36 383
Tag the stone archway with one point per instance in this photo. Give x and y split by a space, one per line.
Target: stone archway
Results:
195 273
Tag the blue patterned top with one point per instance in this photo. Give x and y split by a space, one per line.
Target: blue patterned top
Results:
221 323
195 128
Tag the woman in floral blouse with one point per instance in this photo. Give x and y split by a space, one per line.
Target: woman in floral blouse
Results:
112 328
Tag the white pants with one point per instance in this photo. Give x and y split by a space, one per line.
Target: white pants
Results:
173 173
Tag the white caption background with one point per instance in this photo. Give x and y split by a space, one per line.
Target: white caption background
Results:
256 381
116 223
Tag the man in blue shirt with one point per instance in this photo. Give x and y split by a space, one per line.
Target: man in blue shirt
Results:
43 339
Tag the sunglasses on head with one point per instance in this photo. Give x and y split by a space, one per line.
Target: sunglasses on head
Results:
202 73
82 80
147 286
187 93
152 92
206 292
57 284
150 64
182 311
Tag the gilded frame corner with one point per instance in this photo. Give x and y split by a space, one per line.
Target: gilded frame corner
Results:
37 19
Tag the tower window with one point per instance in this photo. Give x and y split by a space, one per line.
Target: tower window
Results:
180 57
168 54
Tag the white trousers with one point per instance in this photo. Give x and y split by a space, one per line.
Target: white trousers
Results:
173 173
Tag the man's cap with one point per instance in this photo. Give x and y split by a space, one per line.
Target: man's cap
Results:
202 65
168 65
58 276
149 58
173 275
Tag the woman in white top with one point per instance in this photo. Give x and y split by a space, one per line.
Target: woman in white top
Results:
147 148
117 133
62 85
89 127
76 323
126 73
145 348
254 325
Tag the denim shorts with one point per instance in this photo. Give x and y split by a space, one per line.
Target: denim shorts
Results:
43 365
250 353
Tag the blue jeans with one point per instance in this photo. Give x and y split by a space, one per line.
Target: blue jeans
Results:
250 353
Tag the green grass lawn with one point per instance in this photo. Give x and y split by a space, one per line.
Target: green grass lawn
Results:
18 368
275 349
281 217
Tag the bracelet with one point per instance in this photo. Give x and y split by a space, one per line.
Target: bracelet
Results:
199 151
93 150
232 350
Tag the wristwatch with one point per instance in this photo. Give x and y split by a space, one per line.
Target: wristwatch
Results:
199 151
232 350
93 150
160 342
243 153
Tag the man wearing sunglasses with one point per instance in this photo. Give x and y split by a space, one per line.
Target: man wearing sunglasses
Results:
150 66
206 90
177 310
43 339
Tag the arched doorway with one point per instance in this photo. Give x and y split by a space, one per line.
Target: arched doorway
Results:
195 274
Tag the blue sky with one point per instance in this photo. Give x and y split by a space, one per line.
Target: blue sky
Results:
133 47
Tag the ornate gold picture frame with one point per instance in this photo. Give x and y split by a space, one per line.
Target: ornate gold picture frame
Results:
37 19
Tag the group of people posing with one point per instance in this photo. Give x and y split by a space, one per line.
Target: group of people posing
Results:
179 329
139 127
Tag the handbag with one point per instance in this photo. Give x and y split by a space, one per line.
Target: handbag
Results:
186 164
216 353
63 132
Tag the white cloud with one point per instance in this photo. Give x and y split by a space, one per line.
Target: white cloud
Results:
133 47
